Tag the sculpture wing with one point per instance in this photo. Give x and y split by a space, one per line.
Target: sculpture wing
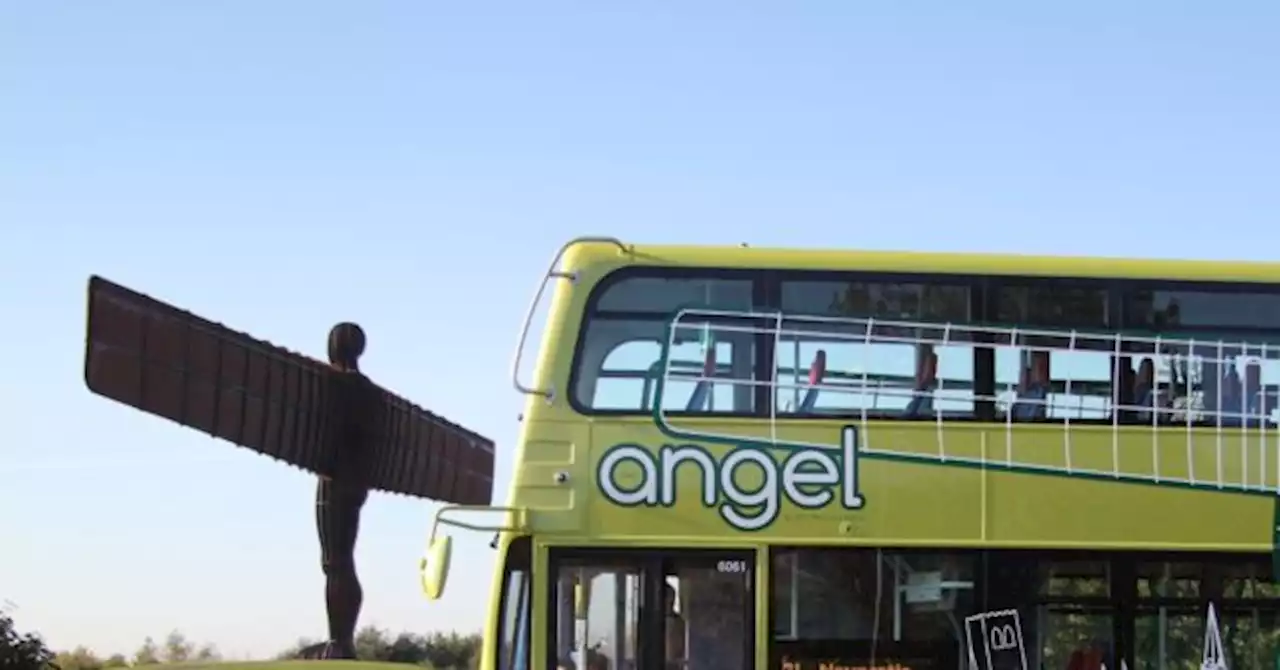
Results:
174 364
419 453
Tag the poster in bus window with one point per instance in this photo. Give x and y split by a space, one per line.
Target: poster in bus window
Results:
1213 657
993 641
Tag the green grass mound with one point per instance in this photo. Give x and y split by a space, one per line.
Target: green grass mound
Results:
296 665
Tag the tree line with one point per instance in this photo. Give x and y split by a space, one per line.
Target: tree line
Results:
175 649
439 651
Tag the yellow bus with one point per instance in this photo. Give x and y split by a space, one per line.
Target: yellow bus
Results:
734 457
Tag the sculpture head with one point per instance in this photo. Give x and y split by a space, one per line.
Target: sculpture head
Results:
346 345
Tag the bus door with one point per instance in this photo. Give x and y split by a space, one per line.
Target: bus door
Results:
621 609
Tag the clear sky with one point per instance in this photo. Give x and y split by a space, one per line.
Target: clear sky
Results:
412 166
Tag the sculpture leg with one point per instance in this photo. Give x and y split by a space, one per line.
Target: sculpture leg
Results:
338 523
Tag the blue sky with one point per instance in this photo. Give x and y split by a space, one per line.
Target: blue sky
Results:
282 166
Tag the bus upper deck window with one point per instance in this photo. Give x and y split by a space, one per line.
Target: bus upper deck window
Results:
662 295
1231 308
630 325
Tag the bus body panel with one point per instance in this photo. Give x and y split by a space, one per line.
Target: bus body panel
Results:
551 481
930 504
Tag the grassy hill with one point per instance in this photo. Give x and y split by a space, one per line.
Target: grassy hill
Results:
293 665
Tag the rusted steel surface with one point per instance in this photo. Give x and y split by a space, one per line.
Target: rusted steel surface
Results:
169 362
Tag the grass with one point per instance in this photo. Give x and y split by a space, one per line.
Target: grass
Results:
294 665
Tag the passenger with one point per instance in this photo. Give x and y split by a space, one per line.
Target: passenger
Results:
1094 658
1180 376
1123 384
1229 409
926 382
675 630
1210 385
1182 398
1252 400
1146 397
1033 391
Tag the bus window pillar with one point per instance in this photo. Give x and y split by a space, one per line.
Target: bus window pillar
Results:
622 597
566 622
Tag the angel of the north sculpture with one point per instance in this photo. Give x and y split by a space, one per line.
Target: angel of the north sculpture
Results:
328 419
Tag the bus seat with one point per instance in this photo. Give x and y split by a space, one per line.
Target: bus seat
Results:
700 400
817 371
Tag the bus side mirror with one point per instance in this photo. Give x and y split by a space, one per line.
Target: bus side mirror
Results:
434 567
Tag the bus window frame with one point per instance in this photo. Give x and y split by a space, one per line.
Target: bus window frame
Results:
653 565
519 558
984 293
763 353
1113 294
1122 600
1130 324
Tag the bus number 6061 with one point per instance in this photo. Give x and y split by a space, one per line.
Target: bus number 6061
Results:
736 567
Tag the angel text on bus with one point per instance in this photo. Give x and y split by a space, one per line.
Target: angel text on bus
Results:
809 478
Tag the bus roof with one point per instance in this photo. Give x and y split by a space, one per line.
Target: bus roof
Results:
600 254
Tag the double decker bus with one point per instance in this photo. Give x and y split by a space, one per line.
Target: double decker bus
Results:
734 457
